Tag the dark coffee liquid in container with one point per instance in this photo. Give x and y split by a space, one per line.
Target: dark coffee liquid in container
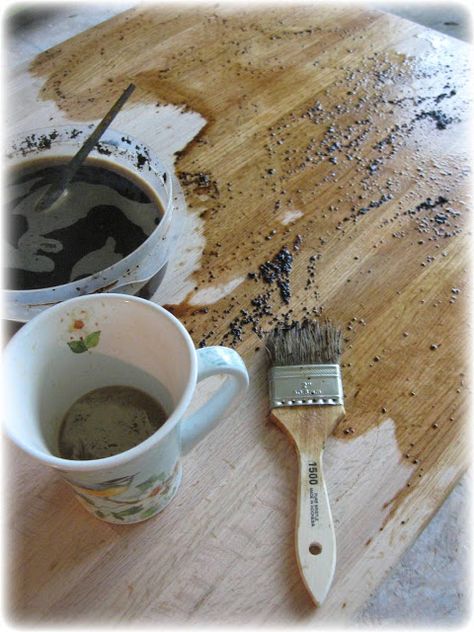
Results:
106 214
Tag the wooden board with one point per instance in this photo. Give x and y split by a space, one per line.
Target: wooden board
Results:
341 135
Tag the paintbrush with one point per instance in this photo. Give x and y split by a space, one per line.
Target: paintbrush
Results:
307 403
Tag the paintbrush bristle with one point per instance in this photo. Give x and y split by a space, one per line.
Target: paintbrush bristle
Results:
306 342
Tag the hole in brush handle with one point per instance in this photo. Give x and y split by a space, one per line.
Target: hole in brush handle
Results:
315 548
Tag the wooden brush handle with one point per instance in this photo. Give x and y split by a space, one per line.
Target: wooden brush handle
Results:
308 427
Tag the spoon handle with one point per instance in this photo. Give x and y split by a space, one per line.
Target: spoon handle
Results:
57 188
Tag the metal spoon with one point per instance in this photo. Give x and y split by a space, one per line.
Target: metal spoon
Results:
56 189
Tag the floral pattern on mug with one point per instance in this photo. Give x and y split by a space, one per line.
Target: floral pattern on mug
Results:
154 493
105 489
83 335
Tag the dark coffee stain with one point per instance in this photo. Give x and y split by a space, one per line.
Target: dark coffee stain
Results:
394 504
183 309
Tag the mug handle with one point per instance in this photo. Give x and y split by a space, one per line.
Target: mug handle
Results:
214 361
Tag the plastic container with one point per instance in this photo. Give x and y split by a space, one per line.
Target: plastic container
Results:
144 267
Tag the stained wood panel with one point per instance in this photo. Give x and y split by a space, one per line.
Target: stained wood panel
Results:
340 135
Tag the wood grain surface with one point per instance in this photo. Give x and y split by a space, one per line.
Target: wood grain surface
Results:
322 157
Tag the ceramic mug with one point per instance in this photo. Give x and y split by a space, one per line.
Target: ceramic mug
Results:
113 339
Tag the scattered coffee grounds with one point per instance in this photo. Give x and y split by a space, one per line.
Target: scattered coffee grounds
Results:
200 183
441 119
324 167
37 142
437 223
277 271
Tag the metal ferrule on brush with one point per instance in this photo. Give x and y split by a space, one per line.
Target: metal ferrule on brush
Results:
305 385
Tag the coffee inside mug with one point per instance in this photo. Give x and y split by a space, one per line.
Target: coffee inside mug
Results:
107 421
